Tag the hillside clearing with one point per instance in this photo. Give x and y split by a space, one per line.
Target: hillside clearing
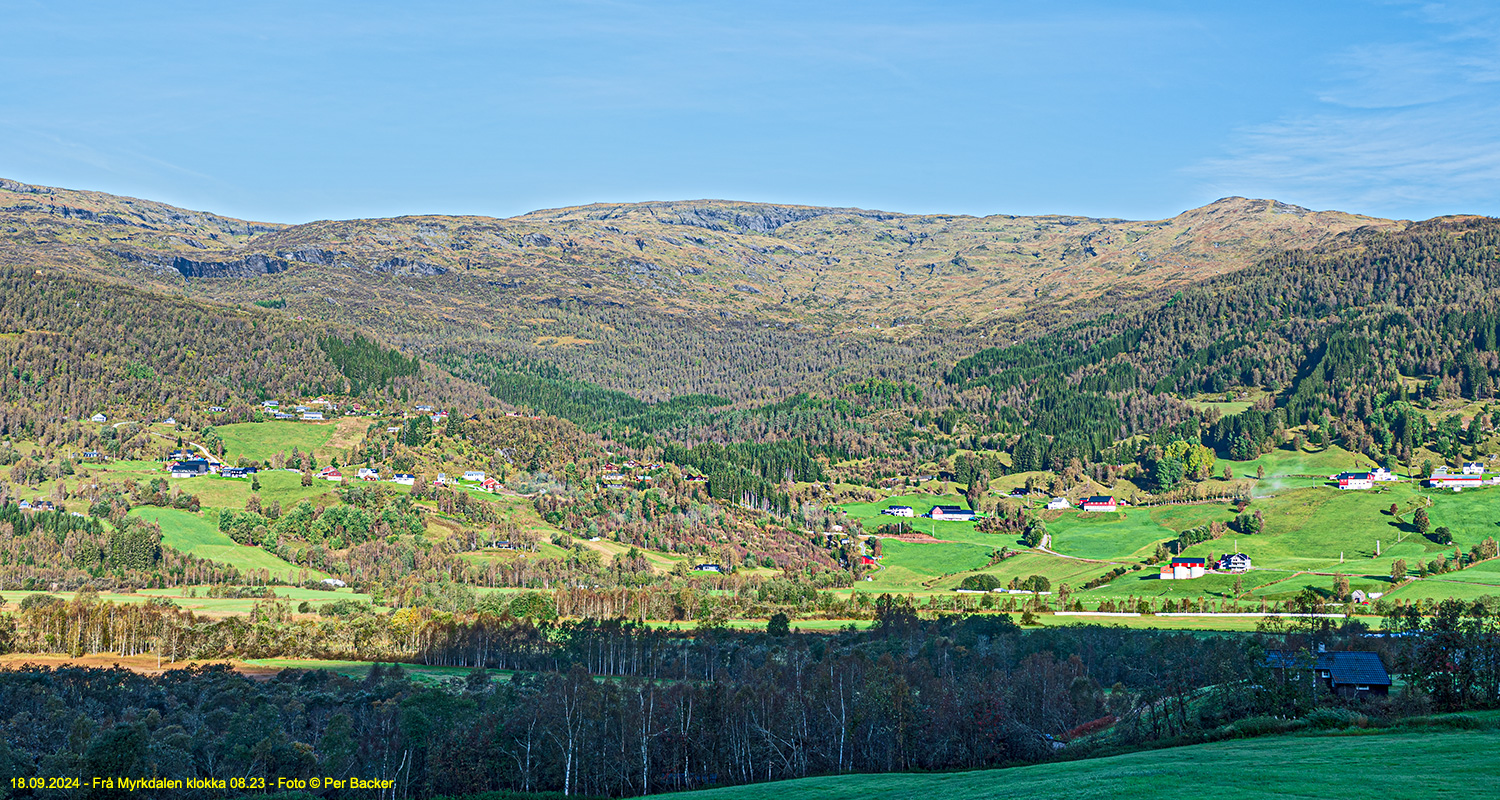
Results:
198 536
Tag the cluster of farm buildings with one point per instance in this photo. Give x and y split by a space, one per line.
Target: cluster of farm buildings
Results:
1103 504
319 410
1182 568
1470 475
184 464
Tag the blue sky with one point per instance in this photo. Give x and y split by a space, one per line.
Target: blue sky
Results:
297 111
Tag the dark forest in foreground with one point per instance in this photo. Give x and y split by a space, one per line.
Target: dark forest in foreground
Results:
724 708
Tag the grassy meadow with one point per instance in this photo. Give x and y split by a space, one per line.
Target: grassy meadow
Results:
199 535
261 440
196 599
1313 532
1388 765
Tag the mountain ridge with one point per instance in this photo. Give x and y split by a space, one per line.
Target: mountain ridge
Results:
783 261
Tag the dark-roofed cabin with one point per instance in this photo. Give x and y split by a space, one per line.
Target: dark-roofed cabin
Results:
1350 673
191 469
1235 562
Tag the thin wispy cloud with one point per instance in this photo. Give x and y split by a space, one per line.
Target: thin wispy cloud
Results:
1400 128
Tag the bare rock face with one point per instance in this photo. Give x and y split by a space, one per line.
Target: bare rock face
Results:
247 267
399 264
744 219
310 255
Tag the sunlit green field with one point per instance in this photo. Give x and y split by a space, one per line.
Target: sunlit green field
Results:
199 535
908 564
275 485
1391 766
1056 570
952 530
1309 527
196 599
1445 586
360 669
261 440
1116 537
1283 464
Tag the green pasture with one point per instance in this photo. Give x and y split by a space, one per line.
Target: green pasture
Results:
950 530
1312 528
1473 514
261 440
1059 571
1391 766
1285 585
1147 583
1483 572
196 598
1131 533
199 535
275 485
909 564
1284 462
1443 587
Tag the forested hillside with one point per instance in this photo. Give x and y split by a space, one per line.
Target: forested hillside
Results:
658 300
1341 338
72 347
1363 317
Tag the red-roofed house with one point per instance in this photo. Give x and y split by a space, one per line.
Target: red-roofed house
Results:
1099 503
1182 568
1454 481
1355 480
